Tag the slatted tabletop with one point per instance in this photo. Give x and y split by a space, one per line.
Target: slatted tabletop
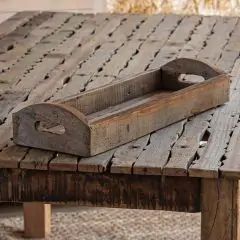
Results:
46 56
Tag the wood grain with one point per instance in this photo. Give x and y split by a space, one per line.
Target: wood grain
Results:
219 206
37 220
110 190
117 113
171 36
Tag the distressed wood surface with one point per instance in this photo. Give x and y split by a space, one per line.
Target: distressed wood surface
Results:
95 189
105 118
55 55
220 207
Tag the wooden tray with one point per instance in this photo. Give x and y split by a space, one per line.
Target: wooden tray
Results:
98 120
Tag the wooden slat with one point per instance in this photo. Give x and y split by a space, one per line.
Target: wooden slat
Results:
192 48
176 41
98 163
64 162
120 60
149 48
186 146
36 159
8 42
85 74
162 32
221 33
15 21
125 30
230 166
156 154
25 45
219 207
11 156
126 155
148 27
227 28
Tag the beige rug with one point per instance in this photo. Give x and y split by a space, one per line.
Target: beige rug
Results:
110 224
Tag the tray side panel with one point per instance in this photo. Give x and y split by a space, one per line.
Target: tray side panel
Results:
127 125
116 93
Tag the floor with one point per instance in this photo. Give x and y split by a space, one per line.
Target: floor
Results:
105 224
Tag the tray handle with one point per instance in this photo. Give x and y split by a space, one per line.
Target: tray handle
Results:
53 127
171 71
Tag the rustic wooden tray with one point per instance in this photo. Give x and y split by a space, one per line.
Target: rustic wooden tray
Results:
98 120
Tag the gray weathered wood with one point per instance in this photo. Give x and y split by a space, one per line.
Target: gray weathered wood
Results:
126 155
134 102
15 21
156 154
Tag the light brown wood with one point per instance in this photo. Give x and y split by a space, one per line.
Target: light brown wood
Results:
37 219
220 209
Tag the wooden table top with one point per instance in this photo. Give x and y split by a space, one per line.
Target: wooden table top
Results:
45 56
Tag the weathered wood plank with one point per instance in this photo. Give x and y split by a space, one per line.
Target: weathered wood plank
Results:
166 27
156 154
222 125
221 32
11 156
63 162
177 40
148 27
85 74
126 155
8 42
219 206
231 165
109 190
24 46
36 159
120 60
199 37
125 30
15 21
186 146
98 163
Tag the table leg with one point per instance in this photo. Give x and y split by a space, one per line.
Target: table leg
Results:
219 207
37 219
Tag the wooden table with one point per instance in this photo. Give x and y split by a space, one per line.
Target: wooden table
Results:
189 166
